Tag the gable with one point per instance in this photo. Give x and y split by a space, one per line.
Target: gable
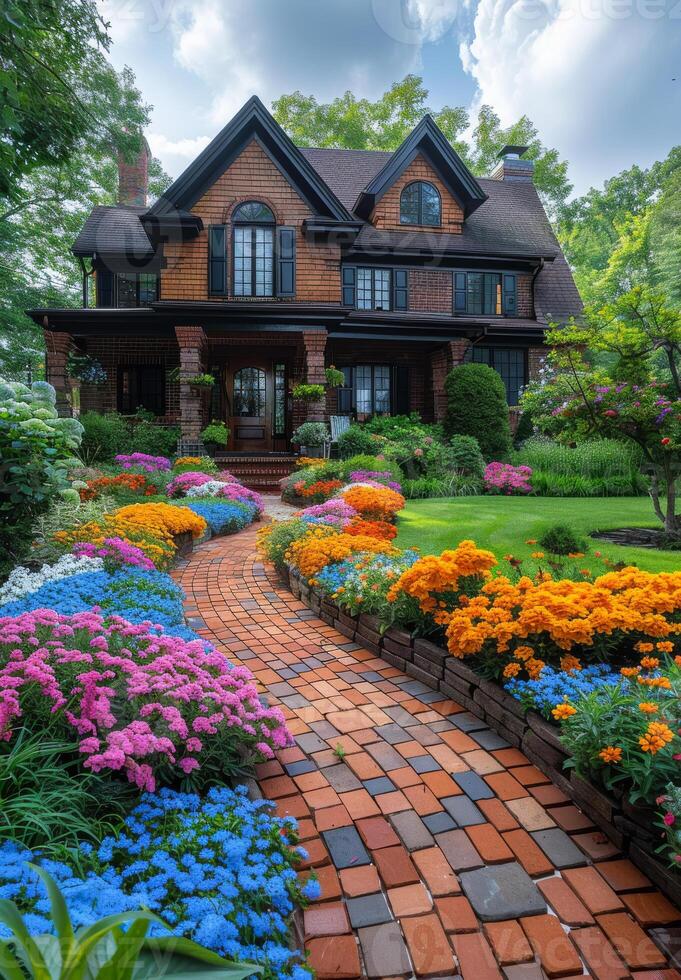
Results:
252 122
386 213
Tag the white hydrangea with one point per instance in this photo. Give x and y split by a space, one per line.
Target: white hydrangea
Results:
210 489
23 581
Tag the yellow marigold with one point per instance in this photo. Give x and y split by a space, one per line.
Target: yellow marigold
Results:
562 711
570 664
378 503
164 517
662 730
435 576
610 754
537 554
512 670
650 663
324 546
642 647
665 646
523 653
188 461
575 554
306 461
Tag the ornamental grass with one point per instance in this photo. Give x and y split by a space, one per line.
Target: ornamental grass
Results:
374 503
164 518
322 546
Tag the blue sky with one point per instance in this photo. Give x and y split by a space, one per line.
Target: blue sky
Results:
595 76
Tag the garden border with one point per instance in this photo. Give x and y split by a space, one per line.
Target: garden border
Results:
630 828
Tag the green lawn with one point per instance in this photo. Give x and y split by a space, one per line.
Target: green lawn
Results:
504 524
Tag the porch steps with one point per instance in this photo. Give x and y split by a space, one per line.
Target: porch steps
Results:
257 472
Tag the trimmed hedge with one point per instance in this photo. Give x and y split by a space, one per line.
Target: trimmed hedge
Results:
476 406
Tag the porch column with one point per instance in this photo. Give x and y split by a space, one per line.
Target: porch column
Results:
442 361
57 347
315 347
192 344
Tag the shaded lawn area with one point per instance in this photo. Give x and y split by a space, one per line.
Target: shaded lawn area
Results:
504 524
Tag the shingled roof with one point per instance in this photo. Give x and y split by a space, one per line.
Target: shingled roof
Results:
114 230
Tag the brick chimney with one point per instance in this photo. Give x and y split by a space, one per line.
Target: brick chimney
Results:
511 166
133 178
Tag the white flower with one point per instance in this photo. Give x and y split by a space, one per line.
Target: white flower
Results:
210 489
23 581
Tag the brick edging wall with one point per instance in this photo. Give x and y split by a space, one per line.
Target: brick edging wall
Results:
629 828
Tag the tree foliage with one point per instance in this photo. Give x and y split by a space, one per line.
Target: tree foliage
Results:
360 124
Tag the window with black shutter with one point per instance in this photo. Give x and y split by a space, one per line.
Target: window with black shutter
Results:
105 288
286 261
400 289
141 386
368 389
485 293
349 275
217 260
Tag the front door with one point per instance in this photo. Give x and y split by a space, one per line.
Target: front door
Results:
250 393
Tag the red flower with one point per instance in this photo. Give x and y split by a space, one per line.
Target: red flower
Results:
666 441
611 413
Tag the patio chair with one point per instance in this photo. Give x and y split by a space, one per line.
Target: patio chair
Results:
339 424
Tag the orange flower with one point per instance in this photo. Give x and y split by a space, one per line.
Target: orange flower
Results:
570 664
650 663
657 735
610 754
374 503
649 707
630 671
512 670
642 647
537 554
164 517
322 546
562 711
375 529
665 646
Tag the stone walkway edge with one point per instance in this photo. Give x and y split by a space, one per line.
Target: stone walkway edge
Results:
441 851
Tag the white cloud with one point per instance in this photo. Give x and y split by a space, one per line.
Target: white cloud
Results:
162 146
589 80
435 18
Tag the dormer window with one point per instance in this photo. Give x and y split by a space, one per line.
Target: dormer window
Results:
420 204
253 250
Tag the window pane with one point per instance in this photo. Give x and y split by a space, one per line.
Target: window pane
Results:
430 205
127 290
264 238
491 294
148 289
279 400
382 389
249 393
474 293
253 211
242 261
381 289
363 389
409 205
364 289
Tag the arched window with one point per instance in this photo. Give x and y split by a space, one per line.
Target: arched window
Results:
253 250
420 204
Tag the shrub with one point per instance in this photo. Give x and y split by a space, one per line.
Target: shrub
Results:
476 406
465 455
217 432
194 464
150 437
507 479
373 463
103 436
149 706
334 512
322 545
125 486
163 518
334 377
61 516
187 480
355 441
524 429
560 539
310 434
143 462
223 517
591 458
374 503
361 582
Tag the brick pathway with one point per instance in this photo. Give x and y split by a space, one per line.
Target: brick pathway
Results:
419 821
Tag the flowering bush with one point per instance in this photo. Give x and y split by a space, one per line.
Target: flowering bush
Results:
670 823
185 481
375 529
506 479
114 553
223 517
143 461
323 545
361 582
147 705
219 870
22 581
437 582
274 539
210 488
376 477
628 732
555 685
164 518
374 503
126 484
319 491
335 513
234 491
156 544
532 622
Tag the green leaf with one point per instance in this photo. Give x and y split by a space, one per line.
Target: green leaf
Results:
88 937
187 958
60 913
121 965
10 968
10 915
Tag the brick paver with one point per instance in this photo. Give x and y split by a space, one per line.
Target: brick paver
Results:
379 754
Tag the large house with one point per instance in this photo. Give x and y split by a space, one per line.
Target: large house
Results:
264 263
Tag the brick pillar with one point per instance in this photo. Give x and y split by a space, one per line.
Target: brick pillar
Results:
192 344
57 347
442 361
314 342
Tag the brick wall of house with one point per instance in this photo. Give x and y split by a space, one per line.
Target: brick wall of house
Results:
252 176
113 352
386 214
430 290
535 361
524 290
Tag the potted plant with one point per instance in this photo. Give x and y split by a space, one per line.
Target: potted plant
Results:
308 393
201 381
310 438
215 434
334 377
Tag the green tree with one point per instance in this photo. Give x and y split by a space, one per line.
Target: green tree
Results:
382 125
476 406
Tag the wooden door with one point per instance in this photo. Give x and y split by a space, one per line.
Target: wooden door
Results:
249 394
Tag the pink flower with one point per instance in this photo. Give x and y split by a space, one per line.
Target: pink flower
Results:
669 819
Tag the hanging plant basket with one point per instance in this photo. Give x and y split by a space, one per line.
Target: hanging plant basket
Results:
85 369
